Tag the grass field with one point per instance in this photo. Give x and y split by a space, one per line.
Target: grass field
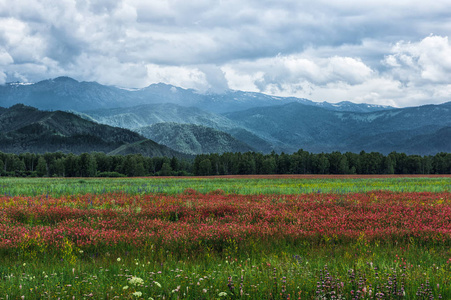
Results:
276 237
245 185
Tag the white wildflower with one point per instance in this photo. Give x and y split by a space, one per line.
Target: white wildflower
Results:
137 294
136 281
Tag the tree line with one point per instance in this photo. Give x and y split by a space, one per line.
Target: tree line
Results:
303 162
95 164
98 164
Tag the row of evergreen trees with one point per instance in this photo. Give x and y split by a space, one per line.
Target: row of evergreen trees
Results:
90 165
301 162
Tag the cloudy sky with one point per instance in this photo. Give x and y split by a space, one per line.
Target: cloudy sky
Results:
374 51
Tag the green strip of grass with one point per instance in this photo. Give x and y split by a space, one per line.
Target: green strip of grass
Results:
71 186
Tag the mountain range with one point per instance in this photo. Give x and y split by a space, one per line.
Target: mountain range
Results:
233 121
65 93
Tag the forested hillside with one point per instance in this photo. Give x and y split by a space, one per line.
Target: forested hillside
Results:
193 139
27 129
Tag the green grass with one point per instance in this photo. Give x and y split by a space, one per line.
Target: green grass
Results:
70 186
270 274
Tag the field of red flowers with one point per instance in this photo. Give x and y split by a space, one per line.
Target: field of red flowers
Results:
133 244
193 221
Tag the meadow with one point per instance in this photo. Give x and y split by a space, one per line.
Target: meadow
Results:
279 237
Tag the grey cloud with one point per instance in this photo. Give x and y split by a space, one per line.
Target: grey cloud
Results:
237 29
63 46
287 46
99 6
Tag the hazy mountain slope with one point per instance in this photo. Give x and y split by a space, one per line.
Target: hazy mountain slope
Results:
27 129
144 115
253 140
147 148
291 125
402 119
407 141
193 139
149 114
295 126
440 140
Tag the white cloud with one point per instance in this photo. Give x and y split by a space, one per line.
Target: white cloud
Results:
2 77
349 69
241 80
185 77
299 71
427 60
5 58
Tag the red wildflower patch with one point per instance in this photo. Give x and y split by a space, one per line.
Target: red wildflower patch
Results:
193 219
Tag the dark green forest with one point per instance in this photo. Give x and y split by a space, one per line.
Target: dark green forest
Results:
98 164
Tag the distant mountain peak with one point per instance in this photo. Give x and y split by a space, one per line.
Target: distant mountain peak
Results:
65 79
21 107
166 87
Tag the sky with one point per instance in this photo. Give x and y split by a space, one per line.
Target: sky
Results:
374 51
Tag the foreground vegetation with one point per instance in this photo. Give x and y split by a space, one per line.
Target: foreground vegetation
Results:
170 244
352 272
